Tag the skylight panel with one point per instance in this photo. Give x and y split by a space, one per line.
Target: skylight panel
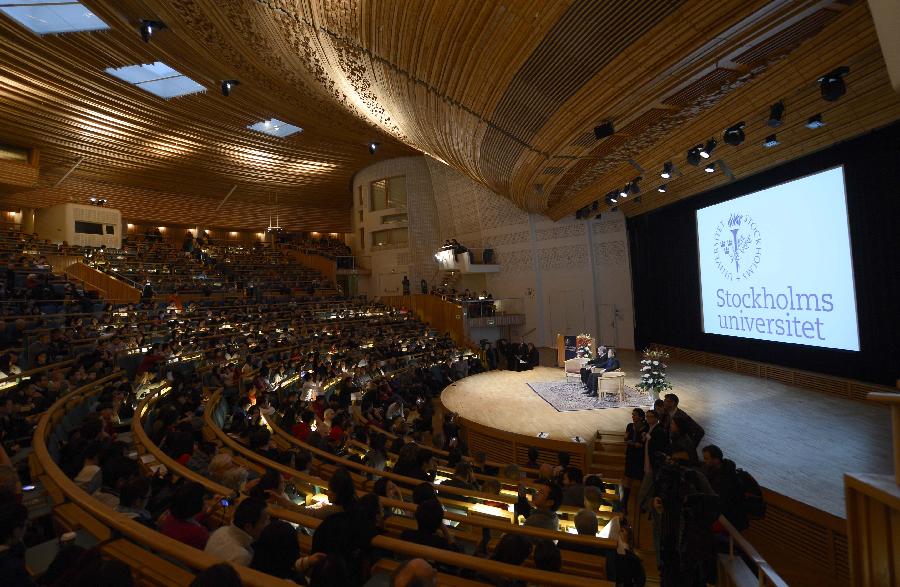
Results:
44 17
157 78
275 127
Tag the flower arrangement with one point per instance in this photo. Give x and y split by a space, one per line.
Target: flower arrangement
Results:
583 343
653 373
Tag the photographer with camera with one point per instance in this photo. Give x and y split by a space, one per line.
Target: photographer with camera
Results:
683 507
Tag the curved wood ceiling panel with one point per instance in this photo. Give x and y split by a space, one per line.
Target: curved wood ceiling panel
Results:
505 91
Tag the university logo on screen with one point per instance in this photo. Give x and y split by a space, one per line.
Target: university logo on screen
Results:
738 247
738 253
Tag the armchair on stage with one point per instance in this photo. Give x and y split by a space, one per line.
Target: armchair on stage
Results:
574 352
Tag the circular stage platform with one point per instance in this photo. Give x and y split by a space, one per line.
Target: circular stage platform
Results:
504 401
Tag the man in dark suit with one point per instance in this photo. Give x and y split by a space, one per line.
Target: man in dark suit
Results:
694 431
611 364
656 443
597 361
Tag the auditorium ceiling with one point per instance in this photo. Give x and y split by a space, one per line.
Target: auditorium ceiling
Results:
507 92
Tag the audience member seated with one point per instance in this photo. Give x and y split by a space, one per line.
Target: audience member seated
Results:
186 515
430 529
234 541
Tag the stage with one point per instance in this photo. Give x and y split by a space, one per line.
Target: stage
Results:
794 441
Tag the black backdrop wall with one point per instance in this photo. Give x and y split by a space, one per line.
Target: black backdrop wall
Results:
666 273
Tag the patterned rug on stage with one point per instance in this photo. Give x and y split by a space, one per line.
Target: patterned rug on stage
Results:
568 396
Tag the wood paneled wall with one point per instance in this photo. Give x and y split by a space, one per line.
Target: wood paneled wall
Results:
440 315
110 288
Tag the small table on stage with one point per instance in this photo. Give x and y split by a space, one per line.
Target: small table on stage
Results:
612 382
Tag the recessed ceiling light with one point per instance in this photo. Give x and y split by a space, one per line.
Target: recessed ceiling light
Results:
771 141
45 17
157 78
275 128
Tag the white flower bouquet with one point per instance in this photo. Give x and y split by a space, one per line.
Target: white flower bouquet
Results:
653 373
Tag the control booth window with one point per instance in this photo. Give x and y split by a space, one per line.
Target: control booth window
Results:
389 192
82 227
392 237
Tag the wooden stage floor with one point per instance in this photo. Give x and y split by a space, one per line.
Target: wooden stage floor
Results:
794 441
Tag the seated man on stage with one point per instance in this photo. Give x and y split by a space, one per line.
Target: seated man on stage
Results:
597 361
612 364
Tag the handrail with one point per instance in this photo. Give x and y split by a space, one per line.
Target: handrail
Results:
186 555
765 570
32 372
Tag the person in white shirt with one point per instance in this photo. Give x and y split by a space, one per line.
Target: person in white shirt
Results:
232 543
89 477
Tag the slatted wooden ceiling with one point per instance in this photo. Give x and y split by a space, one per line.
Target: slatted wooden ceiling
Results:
505 91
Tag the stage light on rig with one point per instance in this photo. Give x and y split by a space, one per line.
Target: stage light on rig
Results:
667 170
148 27
710 167
372 148
228 85
693 156
633 187
815 121
662 189
734 135
623 193
832 84
776 114
771 141
707 149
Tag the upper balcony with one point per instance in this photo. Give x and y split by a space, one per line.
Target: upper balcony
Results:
465 262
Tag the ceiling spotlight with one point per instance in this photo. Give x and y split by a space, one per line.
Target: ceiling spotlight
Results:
771 141
228 85
662 189
372 148
693 156
633 187
604 130
776 114
734 135
832 84
667 170
623 193
611 198
815 121
710 167
148 27
707 149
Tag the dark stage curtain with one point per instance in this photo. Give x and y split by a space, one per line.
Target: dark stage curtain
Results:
665 264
